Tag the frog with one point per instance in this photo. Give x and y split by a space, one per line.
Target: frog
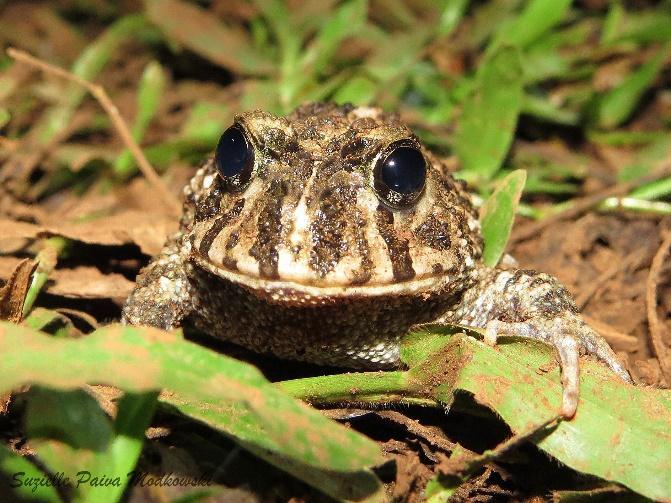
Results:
326 235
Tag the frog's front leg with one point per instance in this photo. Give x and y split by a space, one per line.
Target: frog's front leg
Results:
530 304
162 294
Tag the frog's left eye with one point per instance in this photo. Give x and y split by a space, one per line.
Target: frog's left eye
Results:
234 158
400 174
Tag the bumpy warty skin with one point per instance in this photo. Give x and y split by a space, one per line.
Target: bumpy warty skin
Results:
308 262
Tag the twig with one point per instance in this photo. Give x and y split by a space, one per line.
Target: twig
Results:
654 324
579 206
110 108
417 429
583 204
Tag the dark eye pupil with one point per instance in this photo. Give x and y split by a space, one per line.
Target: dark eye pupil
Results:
404 170
399 177
234 157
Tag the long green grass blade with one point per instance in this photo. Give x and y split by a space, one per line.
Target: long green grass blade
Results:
196 29
537 17
27 481
88 66
150 90
618 104
498 214
227 394
489 116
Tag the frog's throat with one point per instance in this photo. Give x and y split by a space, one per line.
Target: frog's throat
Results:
278 288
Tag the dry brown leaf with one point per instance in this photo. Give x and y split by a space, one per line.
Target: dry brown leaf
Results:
7 266
84 282
81 316
5 400
12 207
136 195
195 28
13 294
106 396
128 227
87 282
12 229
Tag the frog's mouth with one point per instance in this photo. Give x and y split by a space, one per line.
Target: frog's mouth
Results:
314 254
312 288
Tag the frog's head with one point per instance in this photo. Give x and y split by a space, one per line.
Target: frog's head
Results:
330 201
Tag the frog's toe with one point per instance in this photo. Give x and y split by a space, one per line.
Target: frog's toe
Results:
570 336
569 360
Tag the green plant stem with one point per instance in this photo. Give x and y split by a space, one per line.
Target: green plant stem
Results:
363 387
635 204
46 260
134 417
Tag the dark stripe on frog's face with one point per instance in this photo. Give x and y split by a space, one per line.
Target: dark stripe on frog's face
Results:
269 231
397 248
218 225
329 229
365 271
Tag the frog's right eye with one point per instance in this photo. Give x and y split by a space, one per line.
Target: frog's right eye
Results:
234 158
399 175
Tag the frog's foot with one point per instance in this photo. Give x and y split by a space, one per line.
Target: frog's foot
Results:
570 336
162 295
531 304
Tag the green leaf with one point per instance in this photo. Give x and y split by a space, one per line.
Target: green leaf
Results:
344 22
480 25
72 417
227 394
489 115
620 432
206 122
619 103
289 39
440 489
620 138
358 90
46 258
73 436
419 345
20 471
5 117
200 31
537 17
645 159
404 49
498 214
548 111
611 22
151 87
453 11
51 322
653 190
301 69
611 494
640 27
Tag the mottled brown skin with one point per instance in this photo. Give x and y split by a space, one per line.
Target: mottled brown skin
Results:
309 262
